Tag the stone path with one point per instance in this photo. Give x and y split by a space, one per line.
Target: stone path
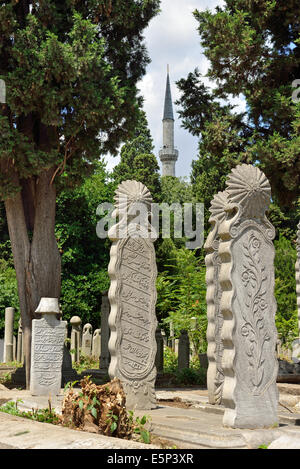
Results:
196 424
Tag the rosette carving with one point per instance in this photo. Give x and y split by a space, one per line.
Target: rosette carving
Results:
248 187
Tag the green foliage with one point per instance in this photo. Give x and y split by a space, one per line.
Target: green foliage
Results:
138 161
85 257
39 415
253 51
285 290
85 363
170 360
8 293
71 71
138 424
191 376
182 294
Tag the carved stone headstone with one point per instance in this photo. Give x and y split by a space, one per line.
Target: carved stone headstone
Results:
9 335
75 338
48 335
96 346
248 305
215 374
183 350
87 336
159 359
132 296
105 334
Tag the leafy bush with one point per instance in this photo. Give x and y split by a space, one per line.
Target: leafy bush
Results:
285 290
8 293
188 376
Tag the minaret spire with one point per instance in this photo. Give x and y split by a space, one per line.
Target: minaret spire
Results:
168 155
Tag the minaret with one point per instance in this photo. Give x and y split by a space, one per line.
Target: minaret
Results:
168 155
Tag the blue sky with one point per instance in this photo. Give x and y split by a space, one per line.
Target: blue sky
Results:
172 38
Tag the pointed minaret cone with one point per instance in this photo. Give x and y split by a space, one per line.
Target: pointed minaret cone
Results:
168 154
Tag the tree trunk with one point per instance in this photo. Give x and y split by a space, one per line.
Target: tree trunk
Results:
36 258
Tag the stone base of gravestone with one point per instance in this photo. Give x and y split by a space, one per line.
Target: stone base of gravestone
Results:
18 378
68 374
296 350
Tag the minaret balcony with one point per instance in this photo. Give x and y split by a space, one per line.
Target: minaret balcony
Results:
168 153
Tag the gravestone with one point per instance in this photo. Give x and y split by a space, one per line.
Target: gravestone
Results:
164 336
132 296
20 353
215 374
87 336
248 305
105 334
9 335
68 374
159 359
183 350
176 342
193 351
48 335
96 346
75 338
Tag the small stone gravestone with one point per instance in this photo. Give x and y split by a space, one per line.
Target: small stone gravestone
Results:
75 338
9 335
20 343
87 336
96 347
48 335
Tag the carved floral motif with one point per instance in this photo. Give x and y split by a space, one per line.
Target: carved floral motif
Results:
254 327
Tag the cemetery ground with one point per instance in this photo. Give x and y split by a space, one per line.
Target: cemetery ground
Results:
183 419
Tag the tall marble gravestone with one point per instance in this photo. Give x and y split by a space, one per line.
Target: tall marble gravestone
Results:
132 296
248 304
215 374
48 335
